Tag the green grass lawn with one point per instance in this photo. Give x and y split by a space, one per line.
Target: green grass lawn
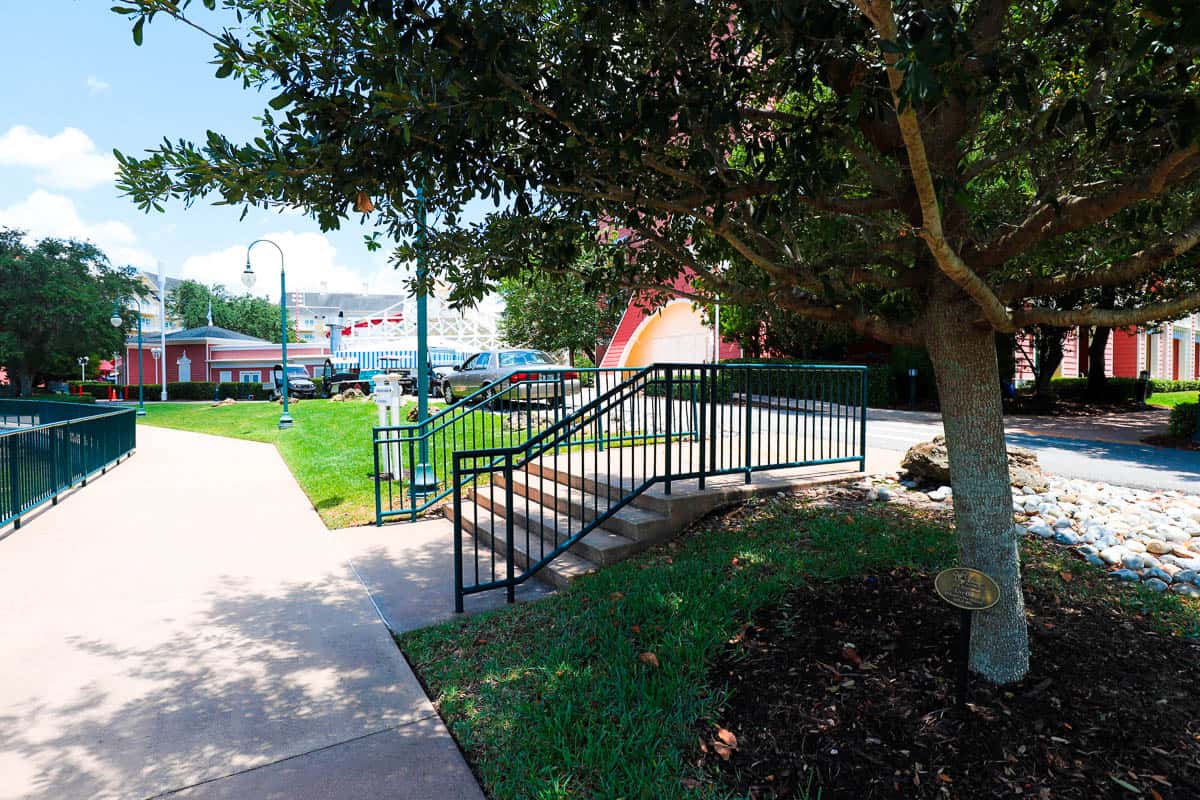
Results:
328 450
1172 399
554 699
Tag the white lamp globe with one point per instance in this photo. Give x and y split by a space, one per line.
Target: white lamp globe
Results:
248 276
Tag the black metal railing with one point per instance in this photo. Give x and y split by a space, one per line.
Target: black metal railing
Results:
412 466
48 447
659 425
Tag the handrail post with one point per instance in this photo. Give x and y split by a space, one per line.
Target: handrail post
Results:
701 418
458 545
749 422
14 462
670 429
378 490
862 432
508 528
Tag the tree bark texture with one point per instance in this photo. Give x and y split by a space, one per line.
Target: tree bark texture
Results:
964 360
1049 360
1097 376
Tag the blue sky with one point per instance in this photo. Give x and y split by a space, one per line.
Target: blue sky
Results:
76 86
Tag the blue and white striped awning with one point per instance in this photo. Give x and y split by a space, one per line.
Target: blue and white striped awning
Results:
374 359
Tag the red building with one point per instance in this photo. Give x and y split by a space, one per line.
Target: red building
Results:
1170 351
215 354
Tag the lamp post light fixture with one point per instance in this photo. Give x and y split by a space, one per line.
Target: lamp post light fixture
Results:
156 353
82 361
248 278
118 322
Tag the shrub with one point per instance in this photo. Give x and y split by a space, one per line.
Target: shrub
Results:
881 388
65 398
1182 423
1116 390
1160 386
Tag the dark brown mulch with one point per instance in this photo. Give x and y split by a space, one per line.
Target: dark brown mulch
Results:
849 687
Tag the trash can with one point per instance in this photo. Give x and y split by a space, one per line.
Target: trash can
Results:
1143 385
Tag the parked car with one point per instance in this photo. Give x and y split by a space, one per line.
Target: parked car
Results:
299 384
503 368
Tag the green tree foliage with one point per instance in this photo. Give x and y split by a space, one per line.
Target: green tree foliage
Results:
761 329
253 316
556 311
57 298
928 173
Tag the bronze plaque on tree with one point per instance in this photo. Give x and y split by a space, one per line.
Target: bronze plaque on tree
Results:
968 589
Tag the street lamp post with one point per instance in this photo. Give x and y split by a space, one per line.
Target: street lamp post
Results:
248 277
82 361
156 353
118 322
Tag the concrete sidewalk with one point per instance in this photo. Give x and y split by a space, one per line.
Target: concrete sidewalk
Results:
185 626
1118 428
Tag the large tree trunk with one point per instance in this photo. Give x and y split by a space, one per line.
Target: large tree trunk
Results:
1097 377
964 361
1049 359
24 382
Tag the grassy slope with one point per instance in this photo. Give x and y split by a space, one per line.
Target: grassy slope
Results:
328 450
1172 399
550 700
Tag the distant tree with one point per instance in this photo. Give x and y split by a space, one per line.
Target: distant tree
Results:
762 330
253 316
557 311
57 296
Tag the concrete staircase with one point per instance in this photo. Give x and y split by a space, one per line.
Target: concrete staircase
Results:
551 503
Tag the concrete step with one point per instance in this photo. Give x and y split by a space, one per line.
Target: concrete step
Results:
488 529
641 525
600 546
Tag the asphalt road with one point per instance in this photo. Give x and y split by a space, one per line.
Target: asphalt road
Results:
1122 464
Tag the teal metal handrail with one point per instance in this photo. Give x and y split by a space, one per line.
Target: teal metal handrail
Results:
693 421
47 447
505 413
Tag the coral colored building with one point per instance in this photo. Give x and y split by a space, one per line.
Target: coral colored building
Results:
672 332
210 353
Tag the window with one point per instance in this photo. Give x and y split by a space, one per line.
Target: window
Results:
519 358
185 368
226 376
250 377
479 361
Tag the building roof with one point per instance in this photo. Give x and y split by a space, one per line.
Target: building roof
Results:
211 332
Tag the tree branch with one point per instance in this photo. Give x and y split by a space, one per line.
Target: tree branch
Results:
1108 317
1071 213
950 263
1125 271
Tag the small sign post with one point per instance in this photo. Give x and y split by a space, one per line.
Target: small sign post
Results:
968 590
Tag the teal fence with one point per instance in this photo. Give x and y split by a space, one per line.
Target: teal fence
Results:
48 447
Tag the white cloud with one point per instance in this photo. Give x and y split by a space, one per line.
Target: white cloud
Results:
67 160
312 265
97 86
45 214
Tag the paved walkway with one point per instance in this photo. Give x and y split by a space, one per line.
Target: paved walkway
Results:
185 626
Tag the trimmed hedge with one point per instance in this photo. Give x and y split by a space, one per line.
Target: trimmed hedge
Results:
97 389
186 390
1116 390
86 399
1183 420
881 386
1119 390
